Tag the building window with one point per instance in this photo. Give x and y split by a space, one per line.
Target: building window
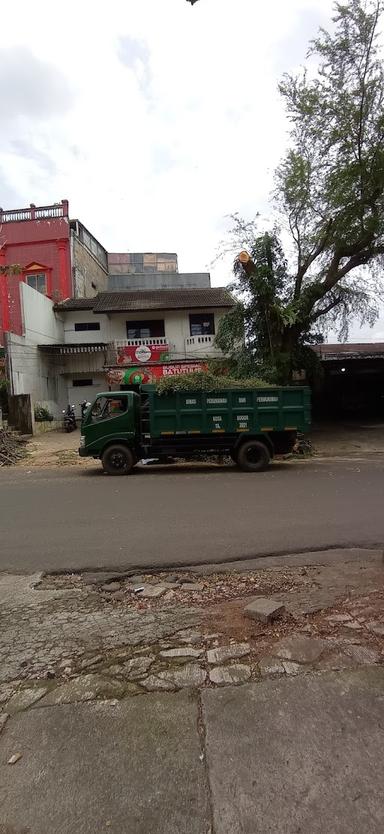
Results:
145 329
38 281
87 325
81 383
202 324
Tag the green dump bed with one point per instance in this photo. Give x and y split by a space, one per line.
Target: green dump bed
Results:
228 411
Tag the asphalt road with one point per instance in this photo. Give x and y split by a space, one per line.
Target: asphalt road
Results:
79 518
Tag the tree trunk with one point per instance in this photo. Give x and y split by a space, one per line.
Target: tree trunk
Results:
288 346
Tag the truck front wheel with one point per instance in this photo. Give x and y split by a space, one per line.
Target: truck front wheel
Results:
253 456
117 460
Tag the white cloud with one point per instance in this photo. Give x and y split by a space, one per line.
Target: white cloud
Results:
155 118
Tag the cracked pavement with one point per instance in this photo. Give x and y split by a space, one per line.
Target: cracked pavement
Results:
191 717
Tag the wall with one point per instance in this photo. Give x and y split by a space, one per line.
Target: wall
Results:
76 395
89 277
159 281
124 262
40 323
28 242
31 371
74 337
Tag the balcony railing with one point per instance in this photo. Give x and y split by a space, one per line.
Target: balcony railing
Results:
159 349
194 341
201 346
151 341
35 212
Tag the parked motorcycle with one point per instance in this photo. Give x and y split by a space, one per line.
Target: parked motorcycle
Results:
69 418
84 405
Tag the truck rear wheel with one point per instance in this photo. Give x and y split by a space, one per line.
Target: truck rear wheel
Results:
118 460
253 456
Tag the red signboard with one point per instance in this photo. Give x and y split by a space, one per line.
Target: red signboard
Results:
149 373
131 354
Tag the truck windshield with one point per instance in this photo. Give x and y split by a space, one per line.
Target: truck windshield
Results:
106 407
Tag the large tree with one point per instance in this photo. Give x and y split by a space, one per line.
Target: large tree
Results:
329 195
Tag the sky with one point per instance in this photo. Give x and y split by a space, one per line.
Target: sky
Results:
154 118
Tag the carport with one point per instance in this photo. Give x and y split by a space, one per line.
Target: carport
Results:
352 383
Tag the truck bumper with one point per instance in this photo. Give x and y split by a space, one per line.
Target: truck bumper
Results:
83 452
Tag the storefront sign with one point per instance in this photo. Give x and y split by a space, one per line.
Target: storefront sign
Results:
140 375
130 354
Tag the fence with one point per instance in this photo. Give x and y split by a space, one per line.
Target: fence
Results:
20 415
35 212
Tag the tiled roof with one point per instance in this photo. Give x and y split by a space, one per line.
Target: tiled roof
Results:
140 300
167 299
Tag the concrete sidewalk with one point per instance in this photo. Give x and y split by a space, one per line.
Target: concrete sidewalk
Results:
302 754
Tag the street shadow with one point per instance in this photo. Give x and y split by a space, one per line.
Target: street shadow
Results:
178 469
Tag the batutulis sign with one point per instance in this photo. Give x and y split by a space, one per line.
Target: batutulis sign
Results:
141 375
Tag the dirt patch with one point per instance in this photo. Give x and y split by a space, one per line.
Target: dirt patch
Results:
99 633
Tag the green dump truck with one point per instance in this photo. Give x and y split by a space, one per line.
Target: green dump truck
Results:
251 425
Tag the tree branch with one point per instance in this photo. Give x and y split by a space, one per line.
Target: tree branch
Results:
309 260
360 136
326 310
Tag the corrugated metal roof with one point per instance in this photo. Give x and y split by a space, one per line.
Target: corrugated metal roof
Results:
166 299
76 304
87 347
349 350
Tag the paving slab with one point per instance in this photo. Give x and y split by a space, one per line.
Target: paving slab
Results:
302 754
189 675
224 653
181 652
24 698
235 674
84 688
263 609
300 648
130 767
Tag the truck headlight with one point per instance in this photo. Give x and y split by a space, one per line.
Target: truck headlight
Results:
82 441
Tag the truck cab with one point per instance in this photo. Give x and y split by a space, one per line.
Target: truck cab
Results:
111 430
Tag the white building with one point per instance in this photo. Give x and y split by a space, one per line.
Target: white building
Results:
73 350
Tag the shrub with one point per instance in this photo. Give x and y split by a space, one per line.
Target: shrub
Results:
42 415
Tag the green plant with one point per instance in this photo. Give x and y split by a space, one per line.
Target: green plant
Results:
205 381
42 415
4 396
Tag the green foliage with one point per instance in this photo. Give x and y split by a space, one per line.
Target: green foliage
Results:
11 269
330 198
42 414
204 381
4 396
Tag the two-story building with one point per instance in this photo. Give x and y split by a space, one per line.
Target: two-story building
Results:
55 255
72 350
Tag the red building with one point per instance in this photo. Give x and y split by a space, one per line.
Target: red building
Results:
55 255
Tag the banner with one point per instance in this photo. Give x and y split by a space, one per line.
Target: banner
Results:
130 354
140 375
